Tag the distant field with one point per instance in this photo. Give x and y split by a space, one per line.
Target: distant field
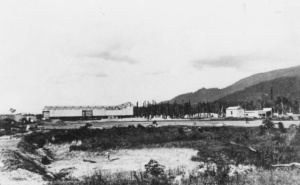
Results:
202 123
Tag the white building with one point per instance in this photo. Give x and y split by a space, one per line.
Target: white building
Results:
266 112
87 112
255 113
236 112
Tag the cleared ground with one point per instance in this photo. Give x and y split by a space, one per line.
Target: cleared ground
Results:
120 160
8 142
204 123
135 159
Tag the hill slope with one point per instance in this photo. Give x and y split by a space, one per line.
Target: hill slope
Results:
285 86
215 93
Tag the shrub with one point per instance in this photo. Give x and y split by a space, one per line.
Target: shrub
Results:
268 124
38 138
181 131
281 127
6 125
154 168
80 147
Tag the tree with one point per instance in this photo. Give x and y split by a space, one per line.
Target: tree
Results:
12 110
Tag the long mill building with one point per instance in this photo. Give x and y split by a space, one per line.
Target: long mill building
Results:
124 110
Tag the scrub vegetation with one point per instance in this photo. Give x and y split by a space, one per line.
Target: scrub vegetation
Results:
225 147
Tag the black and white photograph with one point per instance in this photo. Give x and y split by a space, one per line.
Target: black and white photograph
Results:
149 92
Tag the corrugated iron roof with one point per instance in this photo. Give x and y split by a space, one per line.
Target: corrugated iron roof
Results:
89 107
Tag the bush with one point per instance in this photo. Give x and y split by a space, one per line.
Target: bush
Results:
38 138
181 131
80 147
6 125
281 127
154 168
268 124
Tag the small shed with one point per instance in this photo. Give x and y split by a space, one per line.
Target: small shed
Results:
236 112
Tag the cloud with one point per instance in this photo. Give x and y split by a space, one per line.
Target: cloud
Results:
227 61
157 73
113 57
79 76
99 75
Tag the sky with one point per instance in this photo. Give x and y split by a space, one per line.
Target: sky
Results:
79 52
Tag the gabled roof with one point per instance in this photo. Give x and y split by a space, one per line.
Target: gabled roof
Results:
234 108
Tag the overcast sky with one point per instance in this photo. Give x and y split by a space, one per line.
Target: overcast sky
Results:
79 52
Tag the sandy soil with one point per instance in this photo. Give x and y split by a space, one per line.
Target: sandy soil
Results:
121 160
16 177
21 177
8 142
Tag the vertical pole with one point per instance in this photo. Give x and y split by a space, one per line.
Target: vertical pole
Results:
161 109
190 107
137 109
198 109
168 109
182 108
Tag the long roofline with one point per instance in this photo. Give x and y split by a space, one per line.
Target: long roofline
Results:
89 107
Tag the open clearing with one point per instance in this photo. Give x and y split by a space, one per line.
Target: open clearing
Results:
125 160
6 142
81 152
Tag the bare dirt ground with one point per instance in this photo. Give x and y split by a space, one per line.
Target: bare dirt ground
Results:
120 160
8 142
19 176
203 123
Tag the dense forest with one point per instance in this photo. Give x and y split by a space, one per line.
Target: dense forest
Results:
214 94
282 95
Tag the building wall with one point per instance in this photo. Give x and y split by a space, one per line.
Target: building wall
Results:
128 111
66 113
32 118
255 113
99 112
251 114
18 117
237 113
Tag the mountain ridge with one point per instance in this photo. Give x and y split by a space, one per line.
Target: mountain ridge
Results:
213 94
285 86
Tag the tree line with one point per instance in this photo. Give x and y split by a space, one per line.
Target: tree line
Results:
177 109
280 105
